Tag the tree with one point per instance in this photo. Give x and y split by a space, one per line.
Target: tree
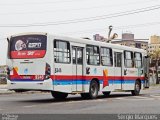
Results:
155 58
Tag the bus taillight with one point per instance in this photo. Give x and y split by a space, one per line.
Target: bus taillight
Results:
47 71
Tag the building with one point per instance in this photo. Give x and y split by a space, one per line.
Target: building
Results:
154 44
153 47
155 39
98 37
129 40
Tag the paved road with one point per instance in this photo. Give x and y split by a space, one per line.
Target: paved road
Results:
147 102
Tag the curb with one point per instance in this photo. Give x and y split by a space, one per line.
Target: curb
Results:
154 86
5 91
3 86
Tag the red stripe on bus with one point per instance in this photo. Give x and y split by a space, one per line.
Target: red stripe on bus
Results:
70 77
28 54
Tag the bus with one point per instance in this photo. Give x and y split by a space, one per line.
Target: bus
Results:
65 65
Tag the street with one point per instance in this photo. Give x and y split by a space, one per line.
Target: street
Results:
43 103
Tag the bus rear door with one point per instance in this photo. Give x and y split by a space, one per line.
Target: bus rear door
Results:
77 68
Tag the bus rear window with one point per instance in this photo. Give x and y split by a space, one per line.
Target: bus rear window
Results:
28 46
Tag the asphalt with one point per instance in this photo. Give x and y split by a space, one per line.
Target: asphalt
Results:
117 103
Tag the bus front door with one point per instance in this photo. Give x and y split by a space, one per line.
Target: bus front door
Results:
77 68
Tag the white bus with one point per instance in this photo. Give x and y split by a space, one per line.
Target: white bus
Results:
64 65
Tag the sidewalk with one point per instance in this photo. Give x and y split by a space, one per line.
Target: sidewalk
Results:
154 86
4 90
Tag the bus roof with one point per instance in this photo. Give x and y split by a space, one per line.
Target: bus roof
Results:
100 43
29 33
84 41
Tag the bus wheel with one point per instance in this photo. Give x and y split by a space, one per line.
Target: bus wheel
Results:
59 95
106 94
137 88
93 90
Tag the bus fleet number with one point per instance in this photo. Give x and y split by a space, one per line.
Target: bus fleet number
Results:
58 70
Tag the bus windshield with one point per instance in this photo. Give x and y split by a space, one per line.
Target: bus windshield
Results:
28 46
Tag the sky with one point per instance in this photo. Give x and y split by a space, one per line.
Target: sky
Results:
78 18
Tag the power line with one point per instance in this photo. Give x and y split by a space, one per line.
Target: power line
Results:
115 28
105 28
76 9
136 11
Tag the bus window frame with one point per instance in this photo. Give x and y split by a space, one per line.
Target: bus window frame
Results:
111 58
132 59
138 60
89 45
68 46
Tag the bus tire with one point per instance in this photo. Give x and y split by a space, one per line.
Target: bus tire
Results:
106 94
137 88
59 95
93 89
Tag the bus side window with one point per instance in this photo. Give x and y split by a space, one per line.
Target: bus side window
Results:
92 55
74 55
80 56
138 59
77 55
106 56
61 51
128 59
